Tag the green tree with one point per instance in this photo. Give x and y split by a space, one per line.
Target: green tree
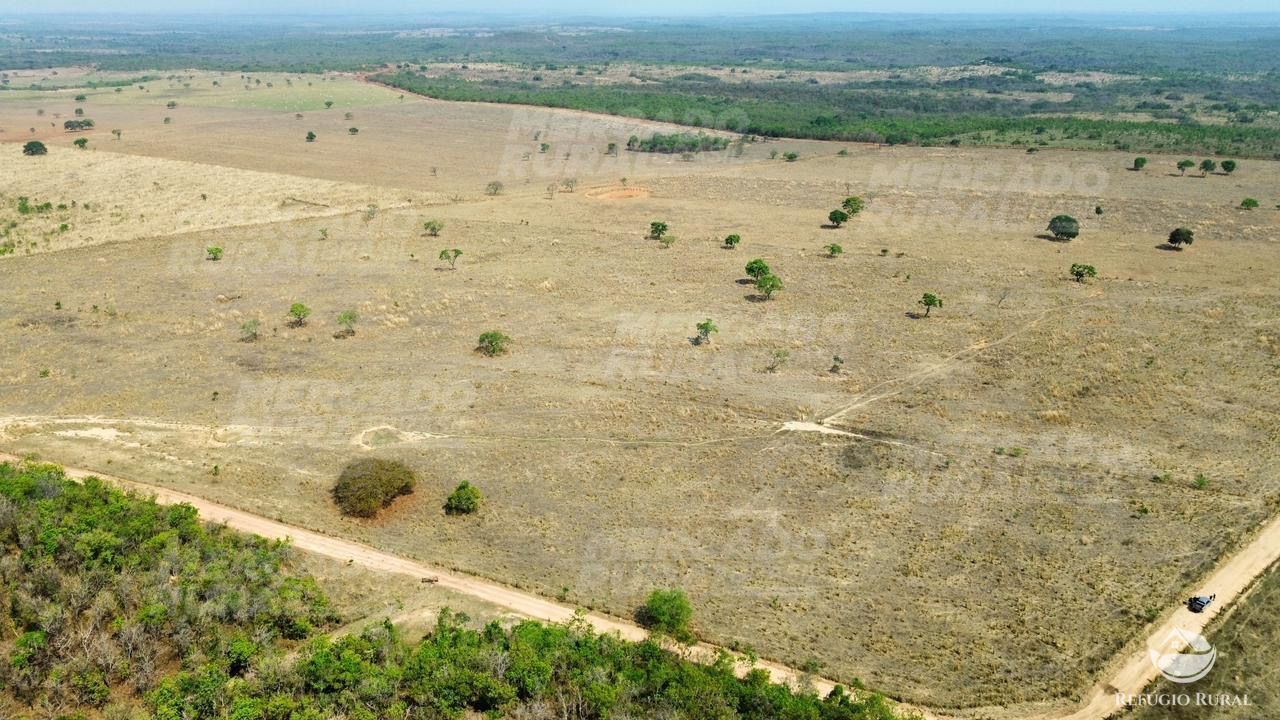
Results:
81 97
213 253
80 142
311 136
347 321
705 328
464 500
367 485
353 131
838 217
299 313
1064 227
1207 166
657 229
328 104
1228 166
1249 203
929 301
1181 236
450 256
1139 163
667 612
1081 271
433 227
493 343
757 268
853 205
790 156
1183 165
833 249
768 284
35 147
732 241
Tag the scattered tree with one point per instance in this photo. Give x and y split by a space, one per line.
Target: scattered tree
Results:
1081 271
1097 209
657 229
790 156
930 301
464 500
768 284
833 249
493 343
1181 236
80 142
1207 166
1184 164
667 612
249 330
777 358
667 241
117 133
1249 203
450 256
433 227
213 253
705 328
493 188
838 217
311 136
1139 163
1228 166
347 321
353 131
299 313
328 104
732 241
34 147
853 205
1064 227
757 268
369 484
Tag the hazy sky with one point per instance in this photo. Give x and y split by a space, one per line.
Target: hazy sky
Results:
636 7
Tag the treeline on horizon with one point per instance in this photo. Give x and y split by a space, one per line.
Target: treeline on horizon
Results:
114 606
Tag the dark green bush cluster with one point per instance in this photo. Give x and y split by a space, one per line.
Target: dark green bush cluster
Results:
677 143
464 500
367 485
667 612
100 589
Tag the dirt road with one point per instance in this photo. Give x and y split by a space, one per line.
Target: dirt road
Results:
1131 671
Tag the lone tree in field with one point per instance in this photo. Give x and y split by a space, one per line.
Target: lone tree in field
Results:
493 343
347 321
1183 165
1064 227
853 205
369 484
464 500
451 256
667 612
328 104
1207 166
1081 271
657 229
768 284
213 253
929 301
299 312
35 147
833 249
493 188
311 136
1181 236
80 142
838 217
353 131
433 227
705 328
732 241
1228 166
1249 203
1139 163
757 268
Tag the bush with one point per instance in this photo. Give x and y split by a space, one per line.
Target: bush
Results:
299 313
464 500
35 147
1064 227
1249 203
493 343
667 612
369 484
732 241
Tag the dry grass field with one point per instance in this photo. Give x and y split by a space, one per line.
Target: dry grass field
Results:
1019 491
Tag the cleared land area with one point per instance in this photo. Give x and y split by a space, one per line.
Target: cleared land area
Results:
1023 500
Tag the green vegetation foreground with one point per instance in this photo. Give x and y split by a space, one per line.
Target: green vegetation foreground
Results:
113 602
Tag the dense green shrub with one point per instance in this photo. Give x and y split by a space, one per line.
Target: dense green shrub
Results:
369 484
464 500
667 612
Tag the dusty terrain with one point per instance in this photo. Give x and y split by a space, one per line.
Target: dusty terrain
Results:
1024 491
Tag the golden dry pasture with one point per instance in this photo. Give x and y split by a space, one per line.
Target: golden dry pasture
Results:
1022 476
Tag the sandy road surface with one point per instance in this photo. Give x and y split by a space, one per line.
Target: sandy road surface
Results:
1132 671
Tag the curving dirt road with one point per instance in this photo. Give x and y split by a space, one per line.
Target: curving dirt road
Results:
1131 670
